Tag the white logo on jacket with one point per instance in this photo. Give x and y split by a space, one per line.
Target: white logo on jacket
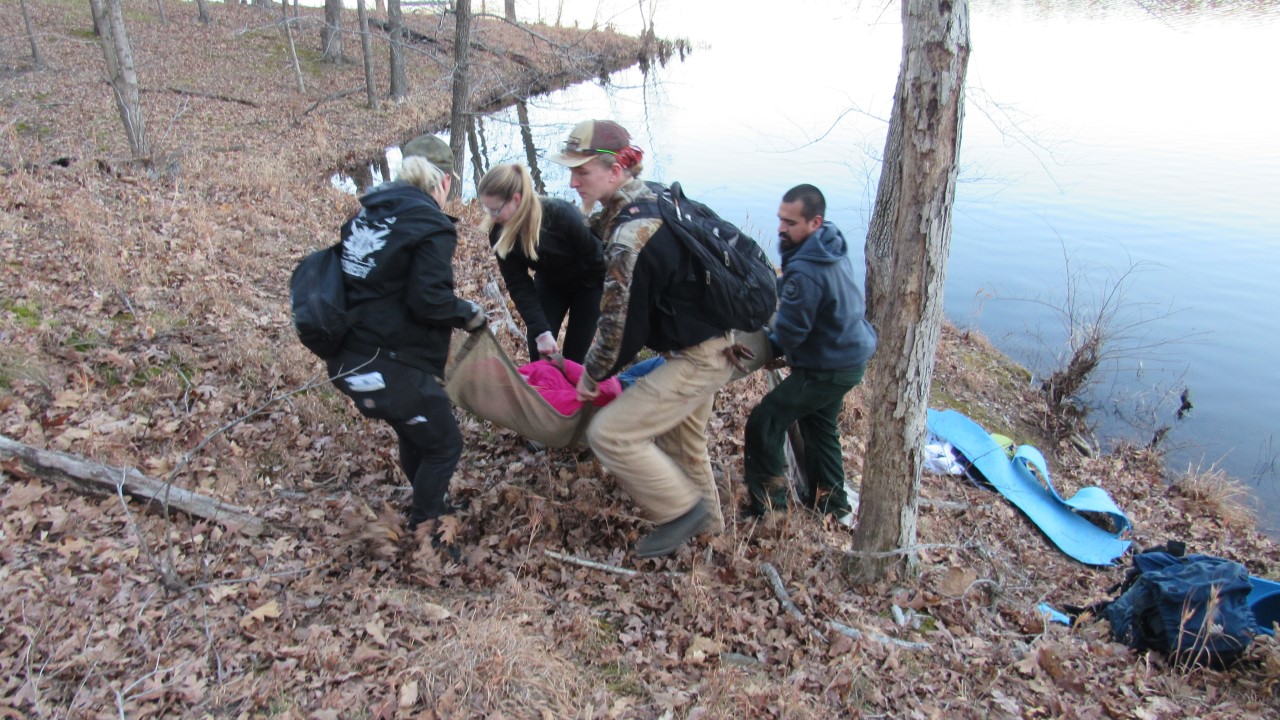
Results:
365 239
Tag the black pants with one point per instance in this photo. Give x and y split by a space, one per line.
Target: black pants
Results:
418 409
581 304
812 399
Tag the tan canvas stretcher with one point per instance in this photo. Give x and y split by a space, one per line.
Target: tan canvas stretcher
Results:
482 379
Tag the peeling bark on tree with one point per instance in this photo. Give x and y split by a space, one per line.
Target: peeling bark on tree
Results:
94 478
907 247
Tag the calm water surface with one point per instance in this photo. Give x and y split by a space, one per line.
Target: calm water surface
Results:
1101 145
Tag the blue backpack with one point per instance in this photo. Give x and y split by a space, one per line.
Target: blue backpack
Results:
1192 608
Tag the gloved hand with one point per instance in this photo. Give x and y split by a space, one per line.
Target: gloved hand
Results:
478 321
547 344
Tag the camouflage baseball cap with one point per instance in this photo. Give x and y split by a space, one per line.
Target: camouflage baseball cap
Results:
588 139
435 150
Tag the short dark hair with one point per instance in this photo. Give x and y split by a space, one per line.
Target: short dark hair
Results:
811 200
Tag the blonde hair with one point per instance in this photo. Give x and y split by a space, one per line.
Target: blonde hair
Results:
419 172
525 226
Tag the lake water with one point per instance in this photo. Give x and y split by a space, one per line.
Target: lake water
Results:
1116 151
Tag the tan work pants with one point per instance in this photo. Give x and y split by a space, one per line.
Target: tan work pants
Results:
653 438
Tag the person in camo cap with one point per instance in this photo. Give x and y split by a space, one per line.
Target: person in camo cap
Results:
653 438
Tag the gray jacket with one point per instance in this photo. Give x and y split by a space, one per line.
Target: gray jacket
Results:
820 322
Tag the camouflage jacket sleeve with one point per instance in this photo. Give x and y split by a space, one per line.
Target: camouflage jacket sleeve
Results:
625 305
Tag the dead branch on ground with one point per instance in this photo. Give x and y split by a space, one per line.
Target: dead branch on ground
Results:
97 479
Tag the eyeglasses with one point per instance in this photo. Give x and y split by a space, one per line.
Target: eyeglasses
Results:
495 212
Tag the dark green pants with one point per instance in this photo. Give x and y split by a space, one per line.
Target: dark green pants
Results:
812 399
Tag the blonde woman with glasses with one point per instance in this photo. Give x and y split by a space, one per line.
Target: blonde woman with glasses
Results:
551 263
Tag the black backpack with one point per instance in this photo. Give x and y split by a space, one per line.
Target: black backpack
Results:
320 302
1192 608
737 285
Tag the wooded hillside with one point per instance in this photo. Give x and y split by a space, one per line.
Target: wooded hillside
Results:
144 324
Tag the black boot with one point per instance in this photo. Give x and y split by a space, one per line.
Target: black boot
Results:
669 536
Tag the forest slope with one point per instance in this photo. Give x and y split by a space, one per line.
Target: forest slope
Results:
145 315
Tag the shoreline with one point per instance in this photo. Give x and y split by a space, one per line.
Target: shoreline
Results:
146 325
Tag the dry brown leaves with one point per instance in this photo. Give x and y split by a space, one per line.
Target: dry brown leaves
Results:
142 315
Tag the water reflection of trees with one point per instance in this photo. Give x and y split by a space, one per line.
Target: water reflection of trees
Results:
482 159
508 130
1167 11
530 150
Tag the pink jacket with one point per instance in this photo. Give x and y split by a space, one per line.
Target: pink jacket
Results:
560 388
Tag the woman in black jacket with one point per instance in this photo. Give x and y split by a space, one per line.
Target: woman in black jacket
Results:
549 238
397 262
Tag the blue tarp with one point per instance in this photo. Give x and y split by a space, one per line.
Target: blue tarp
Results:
1059 519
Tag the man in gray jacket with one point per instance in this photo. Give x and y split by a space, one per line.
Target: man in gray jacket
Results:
827 341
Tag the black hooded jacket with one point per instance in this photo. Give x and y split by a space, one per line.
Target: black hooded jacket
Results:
397 256
569 257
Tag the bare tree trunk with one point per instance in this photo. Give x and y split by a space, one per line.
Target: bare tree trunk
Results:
331 33
399 83
380 6
36 60
164 19
293 47
907 248
118 54
366 50
509 6
461 89
203 7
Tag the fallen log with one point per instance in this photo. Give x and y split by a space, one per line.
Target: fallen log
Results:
97 479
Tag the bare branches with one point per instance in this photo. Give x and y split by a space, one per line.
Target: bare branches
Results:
165 570
780 591
1103 329
581 562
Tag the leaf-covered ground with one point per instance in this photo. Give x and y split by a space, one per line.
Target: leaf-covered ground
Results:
144 312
